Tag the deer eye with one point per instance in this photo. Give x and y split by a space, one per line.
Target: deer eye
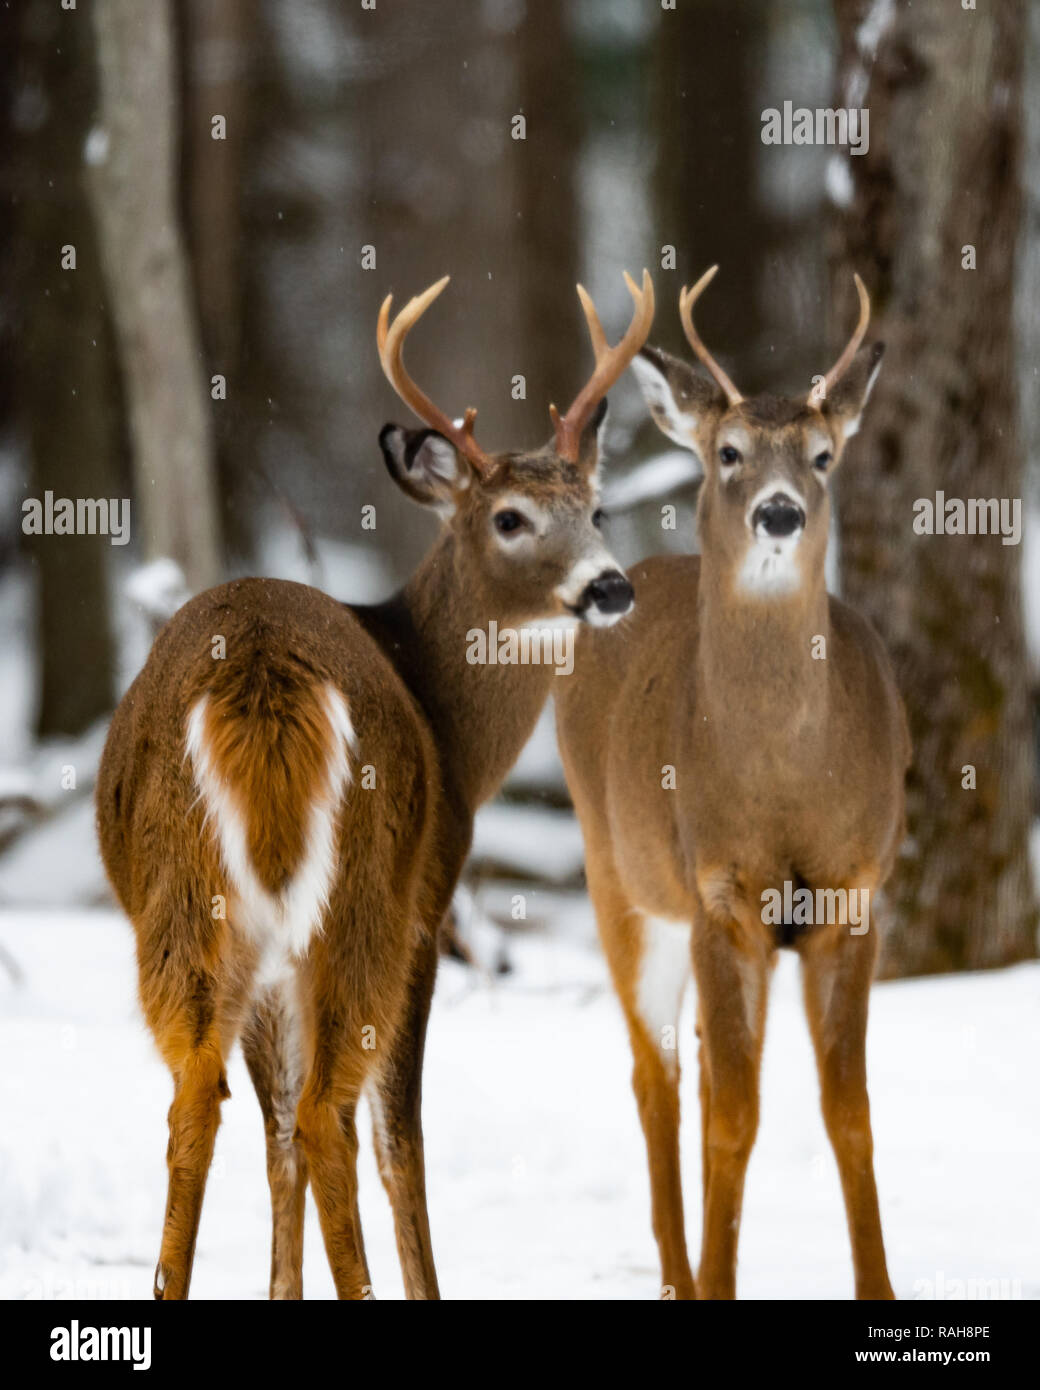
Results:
599 516
729 455
822 459
507 522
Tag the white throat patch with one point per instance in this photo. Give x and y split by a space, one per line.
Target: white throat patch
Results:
770 566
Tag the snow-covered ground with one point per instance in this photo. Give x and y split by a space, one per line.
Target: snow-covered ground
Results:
537 1177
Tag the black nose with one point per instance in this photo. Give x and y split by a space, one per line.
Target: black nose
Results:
610 593
779 516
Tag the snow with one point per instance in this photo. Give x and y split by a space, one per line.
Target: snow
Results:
96 146
538 769
660 476
55 862
838 181
158 588
536 1171
533 839
1030 579
351 572
872 30
28 873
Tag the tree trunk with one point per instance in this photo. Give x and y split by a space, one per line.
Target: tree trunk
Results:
217 43
707 188
133 186
547 196
942 173
64 377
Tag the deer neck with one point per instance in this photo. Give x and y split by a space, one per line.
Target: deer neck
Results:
762 661
480 714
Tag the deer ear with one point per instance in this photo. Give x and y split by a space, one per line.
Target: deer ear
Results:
846 402
423 464
679 400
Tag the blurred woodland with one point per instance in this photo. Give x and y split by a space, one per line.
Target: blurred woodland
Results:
243 181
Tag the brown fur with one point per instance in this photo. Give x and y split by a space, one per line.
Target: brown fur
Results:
269 737
787 768
441 734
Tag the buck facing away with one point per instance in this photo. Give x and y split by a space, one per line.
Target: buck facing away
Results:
713 759
247 781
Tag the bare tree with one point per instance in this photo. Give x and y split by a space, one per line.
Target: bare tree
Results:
931 222
218 43
708 200
64 379
546 192
132 158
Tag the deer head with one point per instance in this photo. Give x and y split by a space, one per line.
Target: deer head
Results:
527 524
764 508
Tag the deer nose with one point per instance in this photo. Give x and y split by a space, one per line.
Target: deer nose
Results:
610 593
778 516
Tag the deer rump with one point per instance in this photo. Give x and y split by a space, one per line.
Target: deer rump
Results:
270 750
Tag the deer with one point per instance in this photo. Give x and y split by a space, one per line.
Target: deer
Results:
742 733
286 800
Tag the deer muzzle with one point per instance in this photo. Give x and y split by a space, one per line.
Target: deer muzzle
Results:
778 516
608 597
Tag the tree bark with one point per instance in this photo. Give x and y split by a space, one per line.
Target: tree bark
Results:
217 44
132 179
546 201
942 172
706 176
65 392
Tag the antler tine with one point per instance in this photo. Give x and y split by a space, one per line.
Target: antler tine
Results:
611 362
820 392
390 339
599 338
687 299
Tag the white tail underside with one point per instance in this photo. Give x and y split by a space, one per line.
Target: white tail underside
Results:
281 924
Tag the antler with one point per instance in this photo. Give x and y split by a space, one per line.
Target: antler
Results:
390 337
610 363
819 393
687 299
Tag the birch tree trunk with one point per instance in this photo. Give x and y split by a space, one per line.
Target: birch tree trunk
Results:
132 179
944 88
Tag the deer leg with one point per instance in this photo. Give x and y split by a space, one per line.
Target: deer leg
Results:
199 1086
325 1128
273 1051
395 1097
655 1082
732 986
652 1003
650 964
837 972
355 990
336 1030
192 984
704 1092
